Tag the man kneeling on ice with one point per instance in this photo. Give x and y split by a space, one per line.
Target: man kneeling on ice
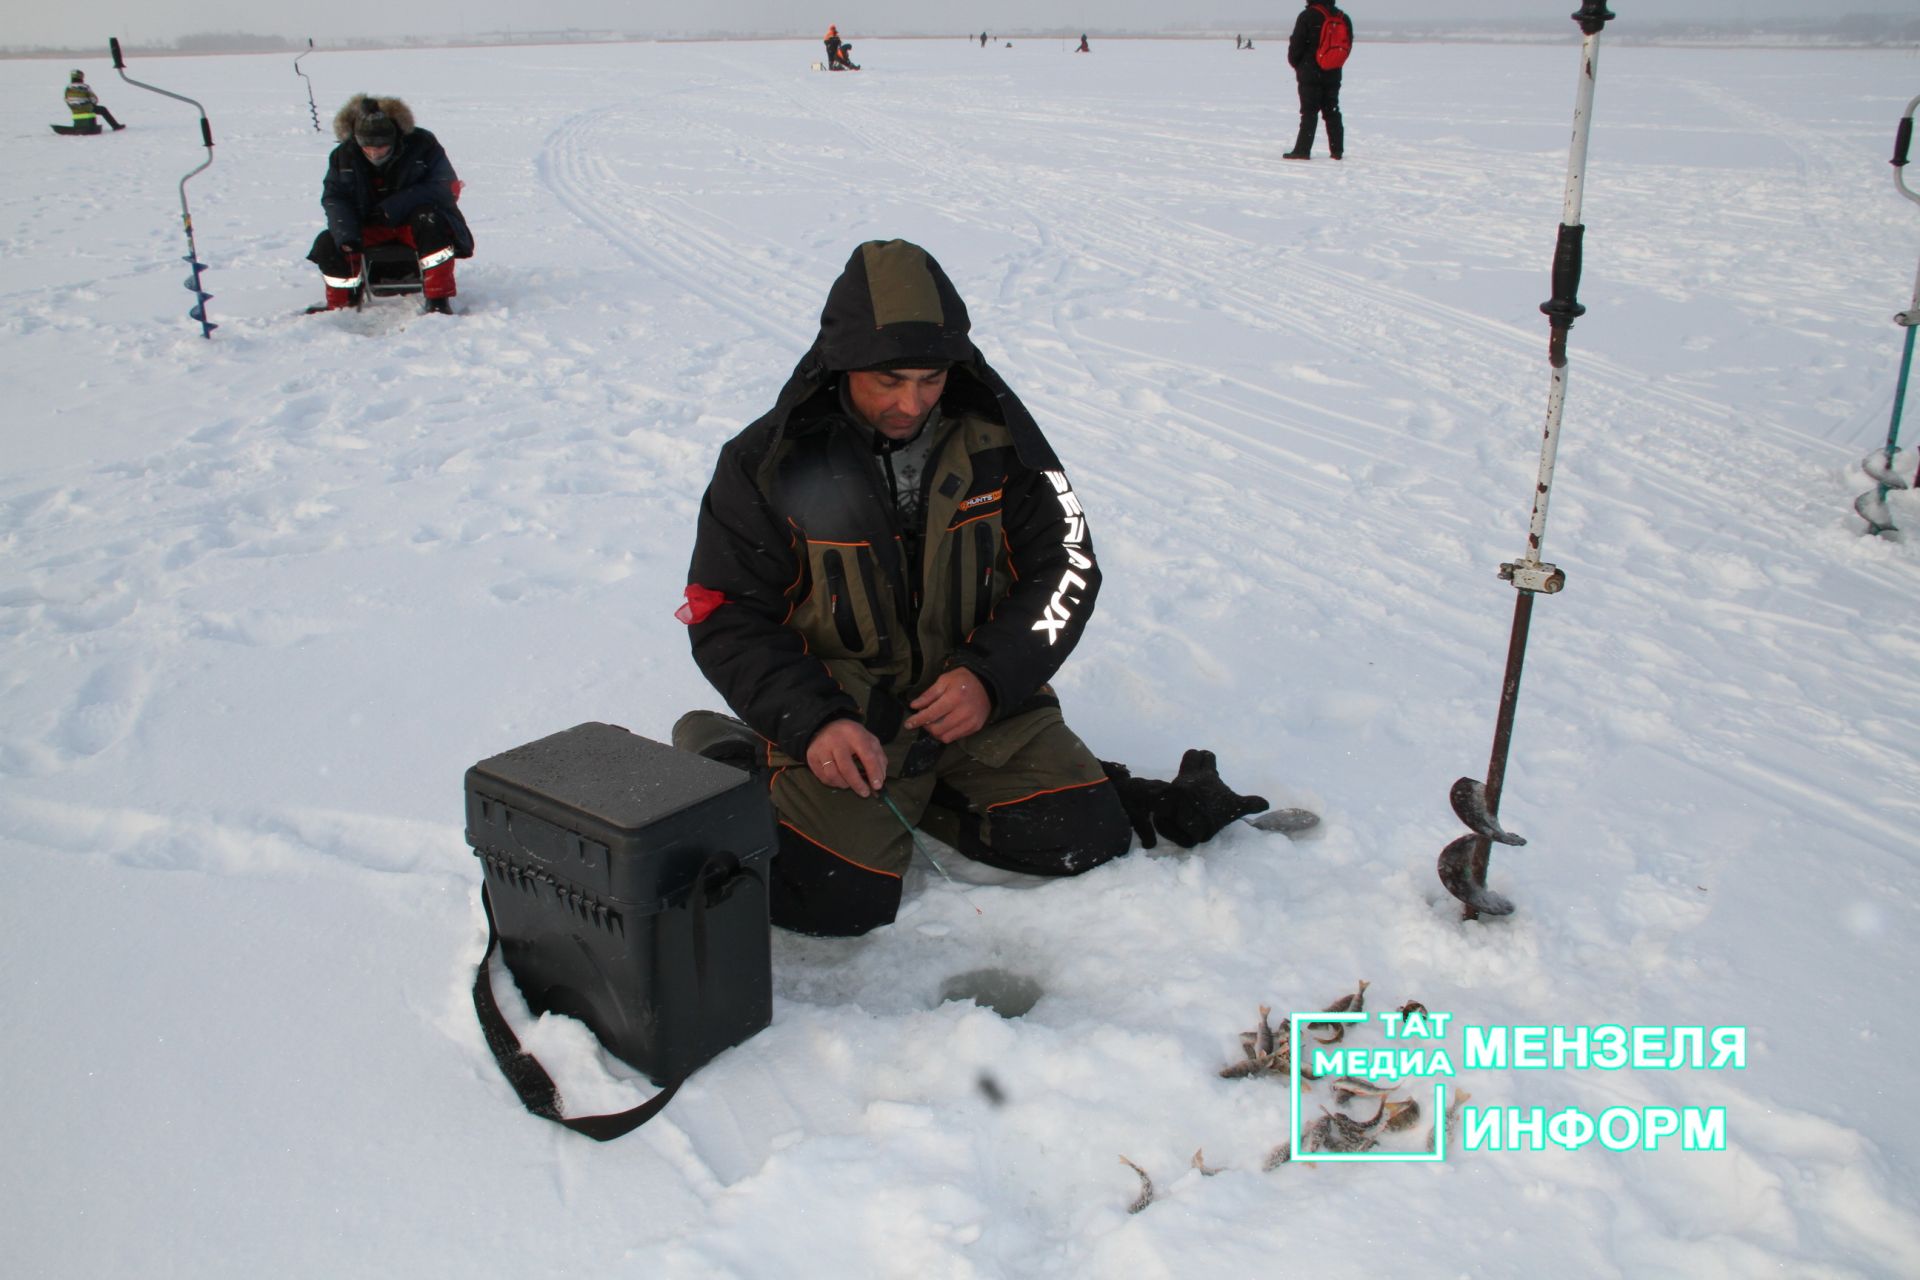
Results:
888 568
388 182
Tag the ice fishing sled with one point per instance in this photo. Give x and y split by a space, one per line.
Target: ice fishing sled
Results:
625 884
75 130
390 270
387 270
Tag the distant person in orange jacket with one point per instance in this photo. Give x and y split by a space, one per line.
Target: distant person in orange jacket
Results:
839 54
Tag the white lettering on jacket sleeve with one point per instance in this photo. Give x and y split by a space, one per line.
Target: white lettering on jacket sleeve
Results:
1059 611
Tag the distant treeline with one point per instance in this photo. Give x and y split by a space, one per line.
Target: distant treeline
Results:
1856 29
220 42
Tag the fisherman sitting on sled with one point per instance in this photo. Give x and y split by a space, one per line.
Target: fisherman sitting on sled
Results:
388 182
85 107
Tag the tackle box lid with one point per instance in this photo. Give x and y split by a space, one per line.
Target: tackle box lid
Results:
624 781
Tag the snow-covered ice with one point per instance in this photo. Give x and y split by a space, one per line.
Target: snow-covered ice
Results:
264 598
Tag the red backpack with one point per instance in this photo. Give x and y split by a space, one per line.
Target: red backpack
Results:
1336 38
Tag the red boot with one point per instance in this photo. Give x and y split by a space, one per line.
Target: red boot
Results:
344 291
436 275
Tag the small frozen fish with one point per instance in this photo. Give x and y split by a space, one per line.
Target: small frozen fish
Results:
1244 1068
1145 1197
1353 1002
1345 1135
1347 1088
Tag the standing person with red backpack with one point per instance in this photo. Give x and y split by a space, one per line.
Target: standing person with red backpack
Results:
1322 39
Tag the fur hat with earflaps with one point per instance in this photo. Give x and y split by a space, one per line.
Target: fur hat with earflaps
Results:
364 108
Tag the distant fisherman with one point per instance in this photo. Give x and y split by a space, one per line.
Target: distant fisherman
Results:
85 106
839 53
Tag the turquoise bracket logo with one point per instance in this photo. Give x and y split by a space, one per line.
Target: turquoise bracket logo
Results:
1439 1112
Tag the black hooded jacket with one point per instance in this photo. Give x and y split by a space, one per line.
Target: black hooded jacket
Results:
805 603
418 173
1304 46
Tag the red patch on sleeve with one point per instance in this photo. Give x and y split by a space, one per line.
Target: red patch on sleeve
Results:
701 602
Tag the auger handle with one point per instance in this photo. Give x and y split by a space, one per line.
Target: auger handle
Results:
1593 15
1902 142
120 65
1563 308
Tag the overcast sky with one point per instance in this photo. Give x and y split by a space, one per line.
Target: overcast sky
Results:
161 21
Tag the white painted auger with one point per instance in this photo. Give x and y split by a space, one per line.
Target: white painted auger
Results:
1463 863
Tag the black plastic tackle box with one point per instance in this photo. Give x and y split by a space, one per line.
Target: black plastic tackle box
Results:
628 882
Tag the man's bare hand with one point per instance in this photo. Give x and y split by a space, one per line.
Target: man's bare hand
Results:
845 755
953 706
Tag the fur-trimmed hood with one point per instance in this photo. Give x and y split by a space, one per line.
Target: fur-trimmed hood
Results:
394 109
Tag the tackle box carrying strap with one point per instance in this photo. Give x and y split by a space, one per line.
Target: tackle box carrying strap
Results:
523 1071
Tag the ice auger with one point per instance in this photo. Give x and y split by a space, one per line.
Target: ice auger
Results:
1463 863
1872 505
200 296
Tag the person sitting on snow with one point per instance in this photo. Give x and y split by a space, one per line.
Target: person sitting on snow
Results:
839 54
888 568
388 182
85 106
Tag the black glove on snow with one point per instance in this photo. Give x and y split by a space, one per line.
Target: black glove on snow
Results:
1196 804
1138 797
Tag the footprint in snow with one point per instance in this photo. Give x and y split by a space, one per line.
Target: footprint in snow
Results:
104 711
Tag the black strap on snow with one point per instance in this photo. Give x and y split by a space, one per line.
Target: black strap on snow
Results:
523 1071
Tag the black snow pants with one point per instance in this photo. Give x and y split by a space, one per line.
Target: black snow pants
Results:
1320 96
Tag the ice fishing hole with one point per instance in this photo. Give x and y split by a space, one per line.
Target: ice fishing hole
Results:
1007 994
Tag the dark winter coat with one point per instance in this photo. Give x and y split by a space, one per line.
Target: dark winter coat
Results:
823 609
418 173
1305 43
